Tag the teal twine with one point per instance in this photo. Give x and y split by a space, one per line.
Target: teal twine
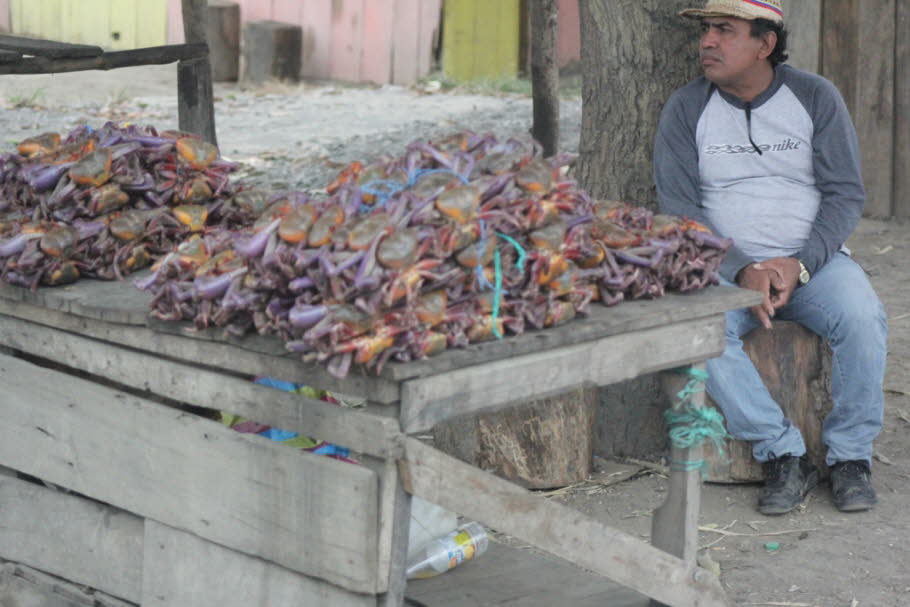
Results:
522 254
689 425
383 189
497 290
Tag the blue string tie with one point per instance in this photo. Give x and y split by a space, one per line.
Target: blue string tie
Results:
690 425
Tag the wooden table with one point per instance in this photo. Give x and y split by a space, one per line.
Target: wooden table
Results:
195 102
190 512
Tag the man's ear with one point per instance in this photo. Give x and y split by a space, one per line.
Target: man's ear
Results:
769 43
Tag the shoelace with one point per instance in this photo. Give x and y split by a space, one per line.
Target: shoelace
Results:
854 469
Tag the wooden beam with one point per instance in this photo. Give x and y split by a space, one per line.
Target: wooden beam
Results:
214 353
181 569
55 532
47 48
557 529
427 401
195 98
308 513
545 74
9 56
156 55
362 432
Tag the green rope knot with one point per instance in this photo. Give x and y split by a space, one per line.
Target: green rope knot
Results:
690 425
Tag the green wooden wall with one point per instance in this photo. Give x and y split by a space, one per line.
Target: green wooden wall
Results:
480 38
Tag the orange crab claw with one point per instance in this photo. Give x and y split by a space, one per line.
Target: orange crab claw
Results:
295 226
459 204
65 274
325 226
431 309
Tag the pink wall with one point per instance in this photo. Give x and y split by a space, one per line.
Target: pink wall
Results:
569 41
382 41
4 15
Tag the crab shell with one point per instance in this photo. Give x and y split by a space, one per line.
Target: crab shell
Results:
196 153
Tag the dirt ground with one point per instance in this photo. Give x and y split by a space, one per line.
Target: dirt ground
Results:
298 136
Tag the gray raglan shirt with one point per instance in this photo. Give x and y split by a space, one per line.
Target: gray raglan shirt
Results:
801 197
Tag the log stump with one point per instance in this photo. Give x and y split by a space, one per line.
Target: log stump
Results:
223 33
795 364
538 444
271 51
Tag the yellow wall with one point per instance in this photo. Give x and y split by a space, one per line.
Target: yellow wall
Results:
111 24
480 38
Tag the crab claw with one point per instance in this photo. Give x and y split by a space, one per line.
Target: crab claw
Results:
197 153
94 169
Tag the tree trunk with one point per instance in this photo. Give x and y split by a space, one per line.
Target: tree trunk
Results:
634 54
545 74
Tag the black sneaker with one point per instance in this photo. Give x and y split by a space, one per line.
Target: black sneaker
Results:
788 479
851 483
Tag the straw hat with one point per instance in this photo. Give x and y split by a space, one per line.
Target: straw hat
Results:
742 9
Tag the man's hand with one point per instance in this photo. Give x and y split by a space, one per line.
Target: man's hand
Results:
775 279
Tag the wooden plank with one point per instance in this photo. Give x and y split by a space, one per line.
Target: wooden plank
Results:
394 526
317 39
4 15
557 529
175 22
123 25
216 354
55 532
9 56
601 322
840 47
109 61
404 44
311 514
47 48
902 112
181 569
458 39
569 37
428 30
362 432
804 21
874 115
151 23
110 301
287 11
381 20
51 24
346 47
22 586
429 400
507 575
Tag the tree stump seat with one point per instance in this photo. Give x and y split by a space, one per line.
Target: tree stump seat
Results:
796 366
271 51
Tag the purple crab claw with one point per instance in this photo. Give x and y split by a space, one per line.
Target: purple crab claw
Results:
255 245
304 316
213 287
16 244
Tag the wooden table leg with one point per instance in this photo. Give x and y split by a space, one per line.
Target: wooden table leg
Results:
195 98
674 525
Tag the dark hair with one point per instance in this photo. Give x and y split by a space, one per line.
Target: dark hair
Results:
760 27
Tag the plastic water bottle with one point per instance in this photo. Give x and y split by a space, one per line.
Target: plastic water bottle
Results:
449 551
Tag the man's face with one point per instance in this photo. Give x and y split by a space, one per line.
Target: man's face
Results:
729 54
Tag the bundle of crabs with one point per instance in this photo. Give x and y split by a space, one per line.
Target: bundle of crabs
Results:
456 241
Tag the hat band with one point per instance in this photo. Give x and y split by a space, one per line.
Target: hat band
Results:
770 7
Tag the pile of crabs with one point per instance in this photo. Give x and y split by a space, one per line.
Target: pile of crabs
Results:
454 242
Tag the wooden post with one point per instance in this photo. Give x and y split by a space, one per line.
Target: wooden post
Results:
271 50
195 98
545 74
224 39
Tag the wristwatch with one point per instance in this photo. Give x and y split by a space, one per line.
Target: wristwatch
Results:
803 273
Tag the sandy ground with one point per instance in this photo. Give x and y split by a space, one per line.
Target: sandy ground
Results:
297 137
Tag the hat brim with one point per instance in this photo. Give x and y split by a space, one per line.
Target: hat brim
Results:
699 13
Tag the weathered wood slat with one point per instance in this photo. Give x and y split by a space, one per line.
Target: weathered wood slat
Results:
180 568
602 322
56 533
363 432
557 529
311 514
507 575
426 401
217 354
22 586
9 56
156 55
47 48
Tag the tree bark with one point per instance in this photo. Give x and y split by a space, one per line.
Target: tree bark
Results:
545 74
195 98
634 54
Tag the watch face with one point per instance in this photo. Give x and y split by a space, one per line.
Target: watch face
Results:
804 276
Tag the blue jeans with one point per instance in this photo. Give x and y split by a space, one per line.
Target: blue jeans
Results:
838 304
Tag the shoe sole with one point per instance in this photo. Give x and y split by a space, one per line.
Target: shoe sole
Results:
811 483
856 507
